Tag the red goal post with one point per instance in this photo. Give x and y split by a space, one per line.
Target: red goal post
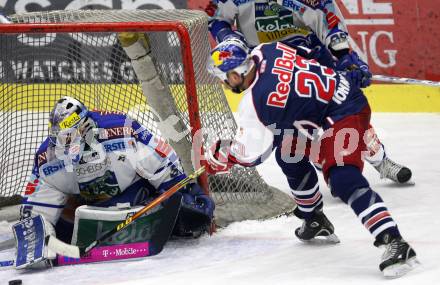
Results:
118 27
196 99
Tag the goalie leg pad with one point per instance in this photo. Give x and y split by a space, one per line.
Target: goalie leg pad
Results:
153 228
30 235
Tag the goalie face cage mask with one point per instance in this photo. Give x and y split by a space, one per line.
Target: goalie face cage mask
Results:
65 121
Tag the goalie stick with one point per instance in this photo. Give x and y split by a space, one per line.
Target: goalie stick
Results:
404 80
152 242
75 252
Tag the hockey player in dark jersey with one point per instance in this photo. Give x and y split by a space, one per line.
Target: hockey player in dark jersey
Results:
317 25
287 99
106 160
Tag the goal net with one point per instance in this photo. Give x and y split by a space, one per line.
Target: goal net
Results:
47 55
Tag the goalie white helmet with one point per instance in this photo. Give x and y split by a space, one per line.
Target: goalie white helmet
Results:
66 122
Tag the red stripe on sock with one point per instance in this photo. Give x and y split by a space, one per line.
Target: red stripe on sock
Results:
309 201
376 218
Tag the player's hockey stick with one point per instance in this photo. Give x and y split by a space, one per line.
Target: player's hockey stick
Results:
403 80
76 252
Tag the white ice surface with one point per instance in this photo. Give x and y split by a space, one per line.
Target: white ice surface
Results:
267 252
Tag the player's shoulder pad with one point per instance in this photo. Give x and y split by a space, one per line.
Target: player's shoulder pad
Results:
236 2
315 4
262 48
41 156
257 49
223 1
104 119
113 125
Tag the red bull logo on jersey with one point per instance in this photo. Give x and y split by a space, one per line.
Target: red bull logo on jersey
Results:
283 69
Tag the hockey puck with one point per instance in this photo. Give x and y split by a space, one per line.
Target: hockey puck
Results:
15 282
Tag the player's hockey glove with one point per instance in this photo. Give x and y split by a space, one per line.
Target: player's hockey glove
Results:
218 157
211 8
355 69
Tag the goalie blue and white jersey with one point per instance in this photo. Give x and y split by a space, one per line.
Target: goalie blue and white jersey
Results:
289 94
289 21
123 154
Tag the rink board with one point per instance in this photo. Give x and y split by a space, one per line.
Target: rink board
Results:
388 98
382 97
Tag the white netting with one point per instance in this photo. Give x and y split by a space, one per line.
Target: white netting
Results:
36 69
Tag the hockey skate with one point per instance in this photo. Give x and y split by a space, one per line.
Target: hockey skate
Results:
394 171
318 229
398 258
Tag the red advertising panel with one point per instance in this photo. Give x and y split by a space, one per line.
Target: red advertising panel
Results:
396 37
399 37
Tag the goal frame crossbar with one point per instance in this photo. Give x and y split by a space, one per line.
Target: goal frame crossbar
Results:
118 27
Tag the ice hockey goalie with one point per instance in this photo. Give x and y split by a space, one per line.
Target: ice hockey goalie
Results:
111 164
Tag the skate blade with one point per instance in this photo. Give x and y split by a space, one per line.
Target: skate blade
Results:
400 269
330 239
407 183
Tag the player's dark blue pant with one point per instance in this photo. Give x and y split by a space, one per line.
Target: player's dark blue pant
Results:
344 176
